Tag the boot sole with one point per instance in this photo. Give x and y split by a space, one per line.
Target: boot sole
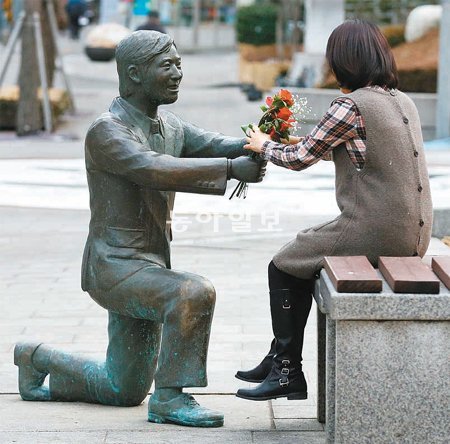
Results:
257 381
290 397
152 417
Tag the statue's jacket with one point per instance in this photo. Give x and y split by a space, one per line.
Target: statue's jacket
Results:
134 167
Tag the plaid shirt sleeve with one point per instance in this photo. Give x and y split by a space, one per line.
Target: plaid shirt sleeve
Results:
342 123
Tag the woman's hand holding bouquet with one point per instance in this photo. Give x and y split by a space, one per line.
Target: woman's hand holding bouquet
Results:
275 124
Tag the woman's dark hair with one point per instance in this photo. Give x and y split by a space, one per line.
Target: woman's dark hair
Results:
359 55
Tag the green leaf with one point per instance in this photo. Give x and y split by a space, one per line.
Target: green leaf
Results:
278 103
264 108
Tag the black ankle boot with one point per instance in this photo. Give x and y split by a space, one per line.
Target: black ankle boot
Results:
286 378
285 381
260 372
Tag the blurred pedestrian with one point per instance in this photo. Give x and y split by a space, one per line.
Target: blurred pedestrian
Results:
76 10
152 24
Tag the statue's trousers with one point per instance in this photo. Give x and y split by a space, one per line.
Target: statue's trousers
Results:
159 324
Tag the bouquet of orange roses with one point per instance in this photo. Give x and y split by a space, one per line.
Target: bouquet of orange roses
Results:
277 121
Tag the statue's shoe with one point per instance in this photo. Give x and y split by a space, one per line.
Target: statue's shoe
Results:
30 379
183 410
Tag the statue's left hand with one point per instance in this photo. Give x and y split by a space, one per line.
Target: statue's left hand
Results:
247 169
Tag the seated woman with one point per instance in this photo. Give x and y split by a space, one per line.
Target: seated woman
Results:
374 135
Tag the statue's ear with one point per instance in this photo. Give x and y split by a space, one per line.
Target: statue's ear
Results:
133 73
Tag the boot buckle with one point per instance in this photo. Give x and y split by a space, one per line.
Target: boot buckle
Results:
286 304
284 371
285 362
283 383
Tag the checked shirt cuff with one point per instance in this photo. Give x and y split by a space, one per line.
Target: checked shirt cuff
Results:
266 151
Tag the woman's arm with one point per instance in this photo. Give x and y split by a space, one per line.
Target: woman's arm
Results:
341 122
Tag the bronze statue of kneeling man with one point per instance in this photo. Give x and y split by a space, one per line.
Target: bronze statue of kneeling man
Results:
159 318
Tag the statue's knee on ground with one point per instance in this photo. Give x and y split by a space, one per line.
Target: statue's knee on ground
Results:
129 397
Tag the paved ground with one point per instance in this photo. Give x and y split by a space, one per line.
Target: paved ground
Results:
43 225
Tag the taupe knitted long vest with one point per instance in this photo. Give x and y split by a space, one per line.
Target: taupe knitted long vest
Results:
386 207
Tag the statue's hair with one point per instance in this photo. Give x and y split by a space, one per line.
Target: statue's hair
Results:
139 47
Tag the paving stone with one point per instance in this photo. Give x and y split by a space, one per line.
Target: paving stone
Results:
299 424
239 415
53 437
57 416
44 336
232 365
307 410
289 437
54 322
11 330
167 436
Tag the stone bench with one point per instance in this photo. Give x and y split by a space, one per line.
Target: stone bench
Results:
383 364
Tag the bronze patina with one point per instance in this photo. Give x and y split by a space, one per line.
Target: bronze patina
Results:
137 157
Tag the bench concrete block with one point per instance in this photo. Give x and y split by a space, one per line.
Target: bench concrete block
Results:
441 222
387 365
392 381
382 306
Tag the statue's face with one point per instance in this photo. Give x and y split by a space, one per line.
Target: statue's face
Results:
161 77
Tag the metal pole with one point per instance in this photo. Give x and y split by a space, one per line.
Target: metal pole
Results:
11 44
443 102
279 40
46 106
216 18
59 59
196 23
177 21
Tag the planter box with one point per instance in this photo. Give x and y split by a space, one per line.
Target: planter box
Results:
262 74
253 53
9 99
260 65
100 54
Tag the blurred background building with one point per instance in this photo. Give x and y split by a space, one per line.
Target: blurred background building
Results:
190 17
279 42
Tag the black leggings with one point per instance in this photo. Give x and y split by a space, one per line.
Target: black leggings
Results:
301 301
280 280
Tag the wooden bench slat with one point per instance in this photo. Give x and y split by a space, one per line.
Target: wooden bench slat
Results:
352 274
441 266
408 275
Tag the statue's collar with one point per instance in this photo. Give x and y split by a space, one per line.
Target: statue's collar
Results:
133 116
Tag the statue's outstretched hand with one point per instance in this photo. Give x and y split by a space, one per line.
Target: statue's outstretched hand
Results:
249 170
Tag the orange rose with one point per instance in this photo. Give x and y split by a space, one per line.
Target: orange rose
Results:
284 113
286 97
269 101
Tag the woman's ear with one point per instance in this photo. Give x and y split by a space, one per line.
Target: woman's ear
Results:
133 74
